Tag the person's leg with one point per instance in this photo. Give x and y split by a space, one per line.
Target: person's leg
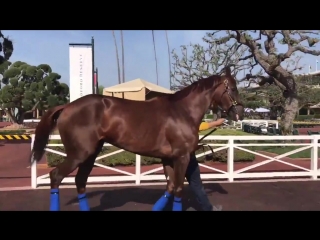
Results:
195 183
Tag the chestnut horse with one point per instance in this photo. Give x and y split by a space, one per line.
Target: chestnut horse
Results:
164 127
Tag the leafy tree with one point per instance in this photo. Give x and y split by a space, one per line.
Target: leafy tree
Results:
28 88
264 51
6 48
306 88
101 89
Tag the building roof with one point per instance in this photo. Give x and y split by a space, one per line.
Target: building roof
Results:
135 86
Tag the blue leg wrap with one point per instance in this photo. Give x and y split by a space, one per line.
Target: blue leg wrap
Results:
162 202
83 202
54 200
177 204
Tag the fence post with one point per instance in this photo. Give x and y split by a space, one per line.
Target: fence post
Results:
230 161
33 167
314 157
138 169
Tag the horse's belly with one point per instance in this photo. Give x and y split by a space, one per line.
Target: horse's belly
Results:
163 151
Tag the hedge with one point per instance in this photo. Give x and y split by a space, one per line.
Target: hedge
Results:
304 117
11 132
128 159
304 124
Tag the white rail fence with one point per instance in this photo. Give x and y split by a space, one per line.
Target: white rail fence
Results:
231 144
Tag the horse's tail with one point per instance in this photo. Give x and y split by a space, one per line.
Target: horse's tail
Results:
44 128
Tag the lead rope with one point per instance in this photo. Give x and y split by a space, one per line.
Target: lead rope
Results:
203 144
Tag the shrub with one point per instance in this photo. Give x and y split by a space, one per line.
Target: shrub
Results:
12 132
304 124
128 159
304 117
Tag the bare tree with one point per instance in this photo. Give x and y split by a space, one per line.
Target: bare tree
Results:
169 56
122 50
155 56
117 55
263 50
202 60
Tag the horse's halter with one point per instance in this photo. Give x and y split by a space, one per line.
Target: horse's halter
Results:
234 103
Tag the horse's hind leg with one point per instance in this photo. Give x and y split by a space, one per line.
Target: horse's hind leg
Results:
76 155
84 170
168 171
180 166
56 177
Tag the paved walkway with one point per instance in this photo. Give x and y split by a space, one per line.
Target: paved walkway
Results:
266 196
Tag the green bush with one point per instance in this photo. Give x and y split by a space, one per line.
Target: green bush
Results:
128 159
12 132
304 117
306 125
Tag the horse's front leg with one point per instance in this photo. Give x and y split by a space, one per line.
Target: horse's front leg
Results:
169 174
179 168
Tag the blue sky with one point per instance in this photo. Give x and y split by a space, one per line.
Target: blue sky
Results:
52 47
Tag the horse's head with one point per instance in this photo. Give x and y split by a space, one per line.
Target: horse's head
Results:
226 96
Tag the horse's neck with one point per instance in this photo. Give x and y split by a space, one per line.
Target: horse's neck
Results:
196 105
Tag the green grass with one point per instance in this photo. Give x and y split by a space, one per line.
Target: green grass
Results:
12 132
272 149
281 150
227 132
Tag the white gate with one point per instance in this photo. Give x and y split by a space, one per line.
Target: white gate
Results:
228 175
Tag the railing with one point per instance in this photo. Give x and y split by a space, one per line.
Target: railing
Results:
230 175
31 120
258 122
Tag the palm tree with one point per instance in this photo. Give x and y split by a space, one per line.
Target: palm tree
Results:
169 59
122 50
155 55
117 55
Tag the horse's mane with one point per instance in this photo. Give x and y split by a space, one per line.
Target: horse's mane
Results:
200 85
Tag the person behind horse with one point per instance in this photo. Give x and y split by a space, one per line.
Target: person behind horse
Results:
193 178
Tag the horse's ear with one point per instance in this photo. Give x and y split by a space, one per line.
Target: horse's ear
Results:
228 71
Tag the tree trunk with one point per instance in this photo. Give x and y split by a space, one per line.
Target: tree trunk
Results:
20 116
122 51
169 56
273 112
10 113
155 56
117 55
290 110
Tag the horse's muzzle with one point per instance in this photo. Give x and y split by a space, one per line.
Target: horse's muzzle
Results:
236 112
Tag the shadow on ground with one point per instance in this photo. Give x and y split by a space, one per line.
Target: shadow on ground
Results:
119 197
